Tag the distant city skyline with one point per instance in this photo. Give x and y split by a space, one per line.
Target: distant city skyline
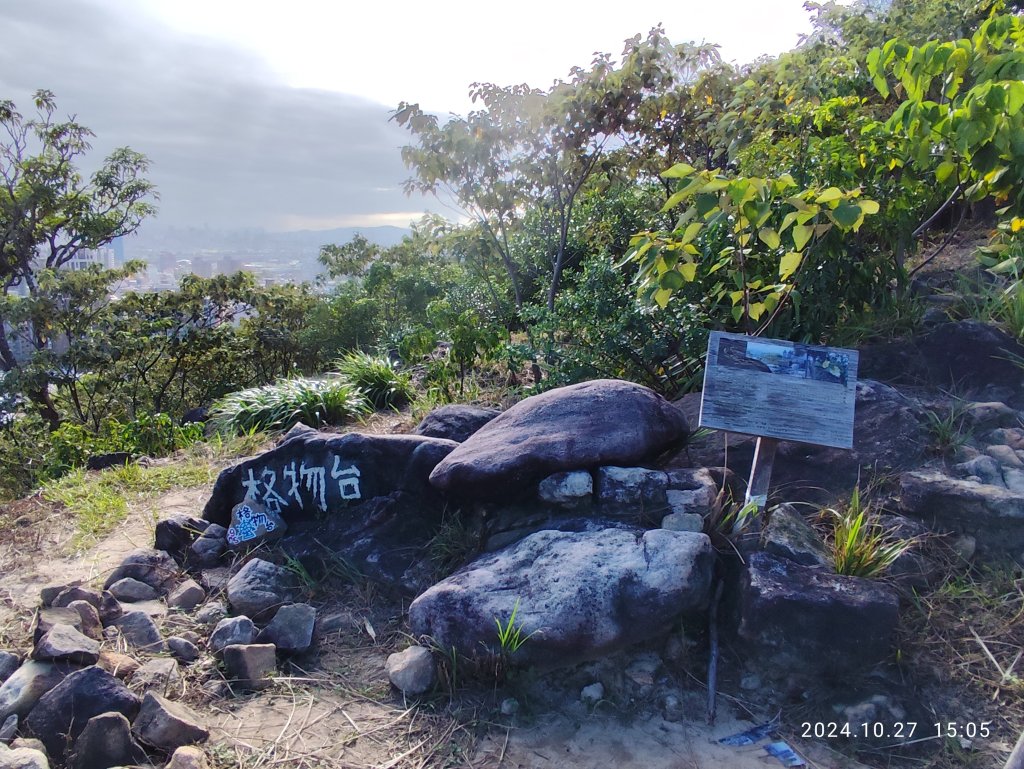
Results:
273 116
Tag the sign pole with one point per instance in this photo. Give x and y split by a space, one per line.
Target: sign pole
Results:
761 472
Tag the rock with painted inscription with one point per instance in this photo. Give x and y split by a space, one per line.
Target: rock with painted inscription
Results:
250 666
582 426
62 643
167 725
140 631
572 490
232 631
252 524
22 690
889 434
176 534
128 590
291 630
154 567
412 671
455 422
315 473
576 595
186 596
805 621
106 741
63 712
260 588
631 490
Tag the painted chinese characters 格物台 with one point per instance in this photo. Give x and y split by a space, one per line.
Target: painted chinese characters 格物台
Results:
295 477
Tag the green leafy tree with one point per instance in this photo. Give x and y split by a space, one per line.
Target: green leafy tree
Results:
49 212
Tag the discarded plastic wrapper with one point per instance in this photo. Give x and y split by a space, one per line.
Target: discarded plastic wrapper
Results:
752 736
784 753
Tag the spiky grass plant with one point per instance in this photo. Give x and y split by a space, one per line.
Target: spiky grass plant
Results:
314 402
862 547
383 385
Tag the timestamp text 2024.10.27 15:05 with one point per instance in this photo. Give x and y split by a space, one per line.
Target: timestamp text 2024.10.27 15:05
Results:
897 730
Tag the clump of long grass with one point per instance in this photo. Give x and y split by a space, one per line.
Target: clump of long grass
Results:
380 381
862 547
314 402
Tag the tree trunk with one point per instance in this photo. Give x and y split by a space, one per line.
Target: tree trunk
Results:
44 403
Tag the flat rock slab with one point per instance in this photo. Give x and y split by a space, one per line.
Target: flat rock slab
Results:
799 620
993 515
583 426
581 594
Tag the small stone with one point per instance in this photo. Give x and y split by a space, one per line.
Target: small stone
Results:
509 706
159 674
106 741
154 567
49 593
981 416
118 665
76 593
92 626
593 694
1004 455
250 666
167 725
212 613
109 608
790 536
412 671
208 548
62 643
183 649
186 596
188 757
335 622
47 618
232 631
631 490
191 636
9 728
689 501
216 579
682 521
8 664
253 523
174 535
29 742
643 670
572 489
131 590
672 707
965 546
260 588
984 467
1013 477
23 758
291 630
140 631
750 682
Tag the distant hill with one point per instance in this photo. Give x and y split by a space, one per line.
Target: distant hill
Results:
193 239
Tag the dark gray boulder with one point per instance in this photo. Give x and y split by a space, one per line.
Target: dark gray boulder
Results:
63 712
291 630
167 725
140 631
106 741
62 643
790 536
455 422
583 426
9 662
22 690
154 567
803 621
176 534
889 435
260 588
581 595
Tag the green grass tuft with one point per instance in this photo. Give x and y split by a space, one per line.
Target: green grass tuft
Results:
382 384
860 546
279 406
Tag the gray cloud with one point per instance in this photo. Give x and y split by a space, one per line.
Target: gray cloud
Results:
231 145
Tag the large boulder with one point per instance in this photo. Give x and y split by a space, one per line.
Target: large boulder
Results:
576 595
972 358
804 621
455 422
994 515
889 435
583 426
365 497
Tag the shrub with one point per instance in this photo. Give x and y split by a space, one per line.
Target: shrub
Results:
860 546
279 406
381 383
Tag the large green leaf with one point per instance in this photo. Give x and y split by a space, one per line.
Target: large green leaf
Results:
789 264
847 215
679 171
769 237
801 234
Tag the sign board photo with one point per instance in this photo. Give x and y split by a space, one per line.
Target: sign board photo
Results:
777 389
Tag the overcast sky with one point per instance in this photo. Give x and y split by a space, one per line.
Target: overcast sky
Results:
275 114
